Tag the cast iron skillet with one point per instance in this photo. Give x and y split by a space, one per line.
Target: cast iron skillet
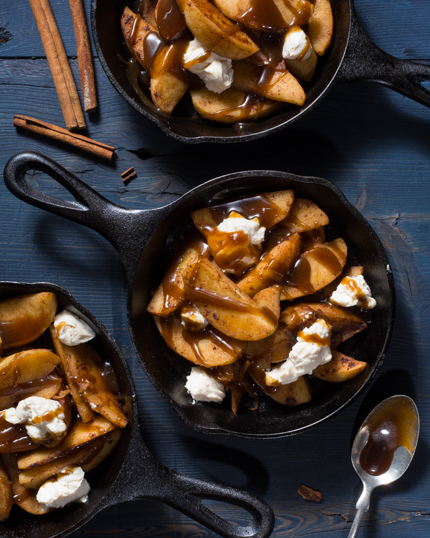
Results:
144 240
131 472
351 57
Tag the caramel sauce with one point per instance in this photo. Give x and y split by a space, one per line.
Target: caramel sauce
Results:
20 389
266 15
49 415
13 437
315 339
250 207
170 20
390 427
24 495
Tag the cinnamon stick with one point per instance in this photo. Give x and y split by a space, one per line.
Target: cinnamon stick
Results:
128 174
58 64
63 135
85 60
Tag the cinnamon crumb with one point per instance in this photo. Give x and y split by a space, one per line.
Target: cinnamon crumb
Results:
309 494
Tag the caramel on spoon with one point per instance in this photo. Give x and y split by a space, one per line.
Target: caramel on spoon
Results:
383 448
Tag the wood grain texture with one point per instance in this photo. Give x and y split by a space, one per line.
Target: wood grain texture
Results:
371 142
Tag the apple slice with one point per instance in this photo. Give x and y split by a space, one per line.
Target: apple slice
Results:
24 318
341 368
232 105
79 434
226 307
215 31
261 16
6 495
315 269
26 366
320 26
85 372
273 266
205 347
278 85
305 215
303 69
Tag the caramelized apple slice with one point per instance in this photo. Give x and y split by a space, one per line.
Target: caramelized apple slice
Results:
277 204
304 215
167 89
85 371
87 456
278 85
25 366
303 69
24 498
206 347
79 434
343 322
261 16
6 495
341 368
84 410
215 31
26 317
232 105
315 269
170 294
272 267
226 307
320 26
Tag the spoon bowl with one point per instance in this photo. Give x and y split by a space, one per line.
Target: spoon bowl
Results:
383 448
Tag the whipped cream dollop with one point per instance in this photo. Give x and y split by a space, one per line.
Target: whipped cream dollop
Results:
215 71
68 486
311 349
296 45
43 419
238 223
72 330
353 291
203 387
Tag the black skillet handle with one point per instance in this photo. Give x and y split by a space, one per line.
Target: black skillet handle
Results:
127 230
364 61
186 495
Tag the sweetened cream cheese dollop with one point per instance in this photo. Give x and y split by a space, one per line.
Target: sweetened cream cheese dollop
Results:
203 387
43 419
238 223
311 349
353 291
215 71
71 330
69 486
296 45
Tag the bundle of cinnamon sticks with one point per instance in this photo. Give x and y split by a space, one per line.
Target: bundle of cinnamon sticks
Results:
59 65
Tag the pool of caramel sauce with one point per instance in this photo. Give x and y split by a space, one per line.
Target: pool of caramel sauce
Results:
391 426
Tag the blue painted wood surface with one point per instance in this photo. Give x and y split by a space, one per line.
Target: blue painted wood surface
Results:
371 142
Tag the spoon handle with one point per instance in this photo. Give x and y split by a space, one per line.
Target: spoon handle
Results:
362 507
356 523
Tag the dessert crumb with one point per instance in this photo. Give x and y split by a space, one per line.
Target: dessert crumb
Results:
309 494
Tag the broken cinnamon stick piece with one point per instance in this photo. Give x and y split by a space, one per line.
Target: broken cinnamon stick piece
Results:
58 64
128 174
85 60
309 494
63 135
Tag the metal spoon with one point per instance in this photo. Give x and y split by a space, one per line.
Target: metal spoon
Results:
383 448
